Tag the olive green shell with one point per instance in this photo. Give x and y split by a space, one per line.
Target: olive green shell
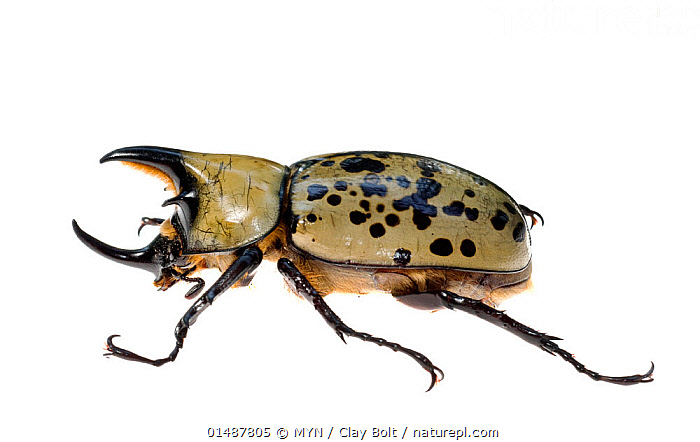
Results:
400 210
238 200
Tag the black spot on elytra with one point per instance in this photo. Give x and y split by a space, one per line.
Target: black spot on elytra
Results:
357 217
472 214
478 180
468 248
376 230
334 200
365 205
470 193
316 192
353 193
406 202
311 218
359 164
428 167
402 257
328 163
381 154
509 207
371 186
392 220
340 186
380 208
425 188
441 247
421 220
456 208
499 220
519 232
304 177
403 182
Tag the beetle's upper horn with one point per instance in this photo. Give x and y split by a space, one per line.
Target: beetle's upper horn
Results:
144 258
168 161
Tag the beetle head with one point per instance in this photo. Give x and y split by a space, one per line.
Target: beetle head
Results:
223 203
164 255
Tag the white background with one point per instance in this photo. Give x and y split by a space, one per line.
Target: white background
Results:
585 111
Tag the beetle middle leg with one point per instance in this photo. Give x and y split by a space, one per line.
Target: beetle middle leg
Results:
245 264
541 340
303 287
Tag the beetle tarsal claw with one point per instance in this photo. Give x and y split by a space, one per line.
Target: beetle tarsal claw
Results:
554 349
532 214
109 344
126 354
434 377
628 380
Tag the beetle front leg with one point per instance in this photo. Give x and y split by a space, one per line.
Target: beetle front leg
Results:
248 261
541 340
303 287
146 221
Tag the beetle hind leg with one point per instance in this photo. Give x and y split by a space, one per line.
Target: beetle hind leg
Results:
303 287
541 340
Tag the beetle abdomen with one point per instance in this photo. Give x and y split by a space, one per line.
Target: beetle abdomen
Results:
400 210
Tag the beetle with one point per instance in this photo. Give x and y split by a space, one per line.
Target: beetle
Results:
432 234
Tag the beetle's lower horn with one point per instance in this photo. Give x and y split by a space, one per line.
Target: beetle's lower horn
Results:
143 258
168 161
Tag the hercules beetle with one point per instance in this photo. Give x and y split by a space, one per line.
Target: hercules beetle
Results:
432 234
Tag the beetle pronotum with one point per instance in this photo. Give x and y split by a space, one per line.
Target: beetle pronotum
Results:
432 234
